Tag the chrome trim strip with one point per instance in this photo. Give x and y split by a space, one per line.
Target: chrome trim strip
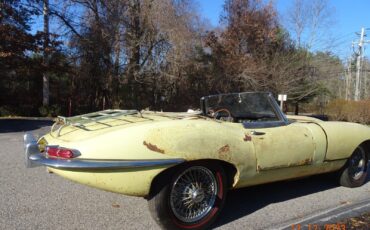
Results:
263 124
101 163
33 158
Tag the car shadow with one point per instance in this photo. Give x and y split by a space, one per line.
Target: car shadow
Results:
245 201
21 125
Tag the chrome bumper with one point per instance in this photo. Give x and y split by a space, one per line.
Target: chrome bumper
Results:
30 148
35 158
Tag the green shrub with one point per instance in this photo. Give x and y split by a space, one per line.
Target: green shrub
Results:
5 111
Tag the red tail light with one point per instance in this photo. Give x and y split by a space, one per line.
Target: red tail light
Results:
59 152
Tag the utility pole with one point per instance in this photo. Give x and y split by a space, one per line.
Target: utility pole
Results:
349 80
358 64
45 77
365 82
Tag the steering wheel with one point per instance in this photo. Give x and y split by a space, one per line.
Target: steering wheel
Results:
215 114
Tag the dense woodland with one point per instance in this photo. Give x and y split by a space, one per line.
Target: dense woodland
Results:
159 55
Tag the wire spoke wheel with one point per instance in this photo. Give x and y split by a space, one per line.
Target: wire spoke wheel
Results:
357 164
354 173
193 194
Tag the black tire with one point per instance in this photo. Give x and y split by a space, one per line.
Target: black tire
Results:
355 172
163 201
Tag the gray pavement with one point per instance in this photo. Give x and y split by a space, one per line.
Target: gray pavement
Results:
34 199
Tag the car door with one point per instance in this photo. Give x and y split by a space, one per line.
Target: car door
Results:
283 146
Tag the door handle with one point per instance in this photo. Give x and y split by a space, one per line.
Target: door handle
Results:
257 133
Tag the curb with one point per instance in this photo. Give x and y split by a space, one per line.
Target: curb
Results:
331 216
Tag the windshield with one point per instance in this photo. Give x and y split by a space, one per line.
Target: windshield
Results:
246 106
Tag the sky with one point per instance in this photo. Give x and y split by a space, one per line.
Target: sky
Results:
349 17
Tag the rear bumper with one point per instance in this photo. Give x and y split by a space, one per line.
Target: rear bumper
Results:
34 157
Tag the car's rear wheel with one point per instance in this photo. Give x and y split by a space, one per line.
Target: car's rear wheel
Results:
192 198
355 172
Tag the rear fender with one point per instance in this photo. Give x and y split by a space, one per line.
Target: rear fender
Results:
198 140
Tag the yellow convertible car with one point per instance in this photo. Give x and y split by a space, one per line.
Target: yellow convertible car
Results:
184 163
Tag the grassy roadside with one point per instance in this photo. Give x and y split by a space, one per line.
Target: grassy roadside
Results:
361 222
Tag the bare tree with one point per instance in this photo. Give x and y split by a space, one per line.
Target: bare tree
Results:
320 19
308 20
297 20
142 50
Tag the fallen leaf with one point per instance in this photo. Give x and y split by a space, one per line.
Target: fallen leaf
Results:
345 202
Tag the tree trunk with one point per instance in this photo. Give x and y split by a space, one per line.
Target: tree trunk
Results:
134 60
45 77
296 110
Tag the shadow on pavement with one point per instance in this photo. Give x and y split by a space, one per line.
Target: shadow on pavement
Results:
21 125
245 201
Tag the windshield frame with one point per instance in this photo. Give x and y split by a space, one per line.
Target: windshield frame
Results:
281 118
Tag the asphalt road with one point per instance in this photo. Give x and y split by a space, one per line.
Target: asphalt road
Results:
34 199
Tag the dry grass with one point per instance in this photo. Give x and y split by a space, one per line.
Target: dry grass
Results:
353 111
359 222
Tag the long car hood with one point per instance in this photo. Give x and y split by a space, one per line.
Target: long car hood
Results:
94 124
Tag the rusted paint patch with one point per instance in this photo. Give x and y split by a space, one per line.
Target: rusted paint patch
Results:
300 163
153 147
305 161
223 152
224 149
247 137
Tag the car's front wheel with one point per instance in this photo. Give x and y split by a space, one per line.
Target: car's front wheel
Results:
192 199
355 172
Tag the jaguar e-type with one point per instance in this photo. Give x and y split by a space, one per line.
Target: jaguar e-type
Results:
184 163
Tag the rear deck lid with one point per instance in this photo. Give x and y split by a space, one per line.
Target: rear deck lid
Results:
93 124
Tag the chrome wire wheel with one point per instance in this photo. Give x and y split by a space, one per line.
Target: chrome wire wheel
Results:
357 164
193 194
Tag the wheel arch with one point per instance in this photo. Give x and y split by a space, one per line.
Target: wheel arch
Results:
366 145
162 178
